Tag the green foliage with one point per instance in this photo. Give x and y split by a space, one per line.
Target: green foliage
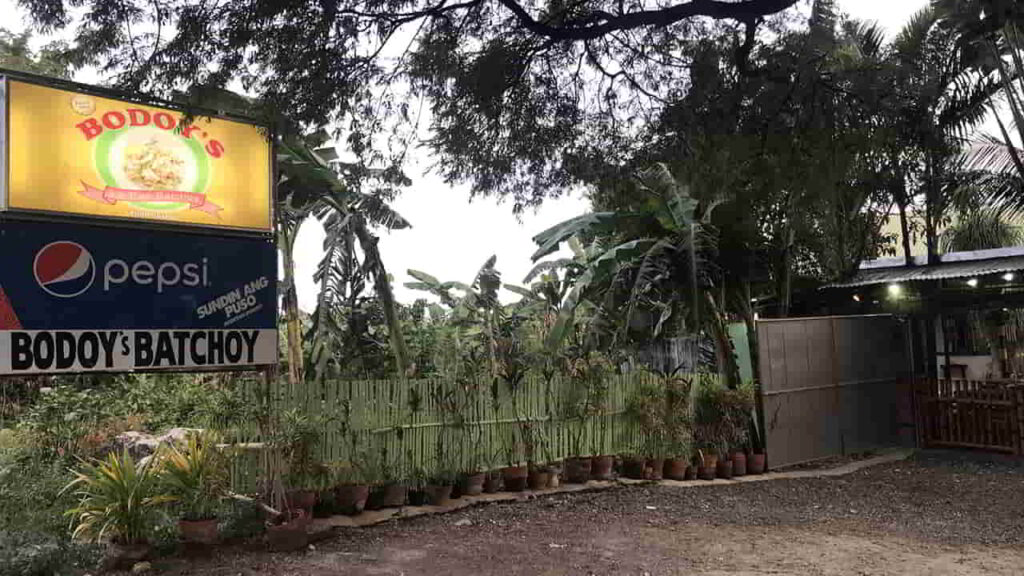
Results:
42 554
75 419
53 59
980 230
31 485
721 416
118 499
195 475
297 437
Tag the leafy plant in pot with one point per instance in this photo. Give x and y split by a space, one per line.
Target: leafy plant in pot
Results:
710 426
194 474
351 488
472 478
647 407
678 427
438 489
119 501
390 489
737 405
298 437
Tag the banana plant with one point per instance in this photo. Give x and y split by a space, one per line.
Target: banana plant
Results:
642 259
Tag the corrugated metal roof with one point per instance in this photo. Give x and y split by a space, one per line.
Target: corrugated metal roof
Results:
954 269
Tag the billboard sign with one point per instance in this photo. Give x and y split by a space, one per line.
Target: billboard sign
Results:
79 298
76 153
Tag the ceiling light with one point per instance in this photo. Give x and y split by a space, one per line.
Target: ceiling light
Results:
973 282
1008 276
895 290
856 297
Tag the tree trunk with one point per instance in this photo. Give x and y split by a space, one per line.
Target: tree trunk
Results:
286 238
908 255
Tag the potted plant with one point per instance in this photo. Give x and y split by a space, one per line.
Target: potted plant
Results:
351 488
471 479
195 476
710 427
514 474
677 459
298 438
492 481
118 501
438 488
677 427
416 481
390 489
737 407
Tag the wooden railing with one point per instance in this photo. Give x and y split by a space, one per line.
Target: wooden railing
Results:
979 414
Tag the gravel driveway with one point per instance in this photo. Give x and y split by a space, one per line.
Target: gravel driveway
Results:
937 514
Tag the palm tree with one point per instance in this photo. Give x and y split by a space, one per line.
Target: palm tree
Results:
942 91
980 230
998 37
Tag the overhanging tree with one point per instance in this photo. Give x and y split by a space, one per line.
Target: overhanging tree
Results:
511 89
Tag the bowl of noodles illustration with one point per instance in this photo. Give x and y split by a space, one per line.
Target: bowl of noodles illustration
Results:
151 163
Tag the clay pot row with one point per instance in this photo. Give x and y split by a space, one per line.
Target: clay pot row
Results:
680 469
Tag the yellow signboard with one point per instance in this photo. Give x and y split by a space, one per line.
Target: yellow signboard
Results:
75 153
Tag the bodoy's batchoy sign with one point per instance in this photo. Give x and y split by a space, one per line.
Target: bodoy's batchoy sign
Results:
76 153
77 298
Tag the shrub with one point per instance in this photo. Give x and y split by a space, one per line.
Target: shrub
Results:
38 554
118 499
195 475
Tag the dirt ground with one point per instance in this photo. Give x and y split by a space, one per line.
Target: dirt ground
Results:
937 514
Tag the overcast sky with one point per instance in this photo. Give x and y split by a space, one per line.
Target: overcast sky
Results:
451 237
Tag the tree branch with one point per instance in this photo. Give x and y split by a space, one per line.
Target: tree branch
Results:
716 9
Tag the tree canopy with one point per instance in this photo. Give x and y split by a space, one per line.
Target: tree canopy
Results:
512 91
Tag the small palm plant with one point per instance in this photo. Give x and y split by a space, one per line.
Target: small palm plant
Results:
195 475
118 499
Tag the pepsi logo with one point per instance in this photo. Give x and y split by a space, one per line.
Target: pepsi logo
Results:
64 269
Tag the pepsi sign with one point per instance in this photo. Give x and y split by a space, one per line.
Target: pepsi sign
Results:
64 269
78 298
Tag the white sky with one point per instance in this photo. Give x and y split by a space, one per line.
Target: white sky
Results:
451 237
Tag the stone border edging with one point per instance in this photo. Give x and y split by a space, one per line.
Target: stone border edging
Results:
322 528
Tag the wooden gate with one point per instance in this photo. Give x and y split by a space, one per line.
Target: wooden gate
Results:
832 386
970 414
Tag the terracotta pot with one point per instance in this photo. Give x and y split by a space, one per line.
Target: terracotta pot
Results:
675 469
199 531
438 494
756 464
351 498
492 482
124 556
538 480
739 464
577 470
554 479
388 496
691 472
634 468
305 499
601 467
724 469
290 535
710 460
515 478
417 497
654 469
706 472
473 484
